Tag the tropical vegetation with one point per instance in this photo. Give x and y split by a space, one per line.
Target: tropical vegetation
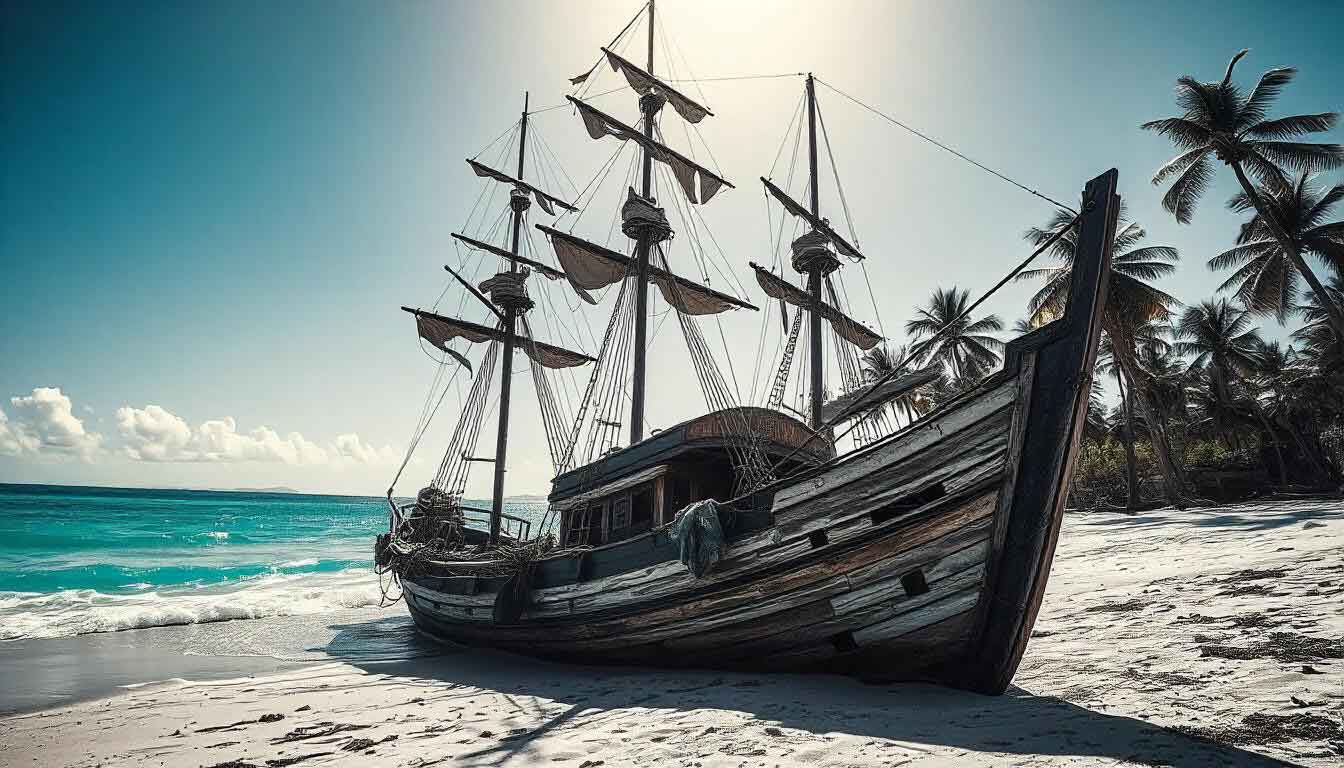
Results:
1200 399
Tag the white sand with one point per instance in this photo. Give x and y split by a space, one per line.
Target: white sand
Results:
1114 668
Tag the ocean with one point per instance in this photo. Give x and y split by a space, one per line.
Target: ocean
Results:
75 561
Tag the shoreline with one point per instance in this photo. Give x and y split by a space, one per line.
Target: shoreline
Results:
1162 635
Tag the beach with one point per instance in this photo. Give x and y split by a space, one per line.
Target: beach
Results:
1197 637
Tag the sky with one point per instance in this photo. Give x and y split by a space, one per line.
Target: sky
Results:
212 212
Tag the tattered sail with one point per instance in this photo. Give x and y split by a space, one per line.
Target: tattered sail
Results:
439 330
592 266
687 171
849 329
819 225
544 199
852 404
643 82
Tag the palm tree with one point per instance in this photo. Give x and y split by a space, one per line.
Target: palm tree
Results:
1219 338
878 363
1023 326
1125 423
1315 334
1284 381
966 347
1220 121
1133 307
1266 279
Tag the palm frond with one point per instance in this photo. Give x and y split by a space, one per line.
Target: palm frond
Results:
1262 96
1180 162
1185 192
1302 156
1241 254
1182 131
1294 125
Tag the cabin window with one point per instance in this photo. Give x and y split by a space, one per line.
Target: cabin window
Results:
680 494
620 513
585 525
641 508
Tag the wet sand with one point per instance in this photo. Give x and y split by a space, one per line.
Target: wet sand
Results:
1204 637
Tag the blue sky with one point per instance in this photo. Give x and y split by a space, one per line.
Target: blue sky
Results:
216 209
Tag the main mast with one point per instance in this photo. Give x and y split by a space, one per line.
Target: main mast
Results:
649 104
814 274
520 204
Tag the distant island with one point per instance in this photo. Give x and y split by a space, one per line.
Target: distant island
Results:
266 489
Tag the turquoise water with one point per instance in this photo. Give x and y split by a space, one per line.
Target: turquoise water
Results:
78 560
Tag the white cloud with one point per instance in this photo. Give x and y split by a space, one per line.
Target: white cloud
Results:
351 448
153 433
44 424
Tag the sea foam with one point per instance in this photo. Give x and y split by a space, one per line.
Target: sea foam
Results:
85 611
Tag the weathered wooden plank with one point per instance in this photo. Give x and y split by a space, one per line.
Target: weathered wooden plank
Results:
810 622
429 600
847 471
948 462
888 589
913 620
904 658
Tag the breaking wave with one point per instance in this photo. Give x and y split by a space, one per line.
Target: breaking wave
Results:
69 612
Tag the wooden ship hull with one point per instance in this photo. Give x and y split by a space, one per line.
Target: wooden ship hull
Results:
923 556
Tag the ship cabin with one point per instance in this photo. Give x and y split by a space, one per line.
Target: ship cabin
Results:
630 491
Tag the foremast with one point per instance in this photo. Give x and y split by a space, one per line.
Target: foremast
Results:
815 256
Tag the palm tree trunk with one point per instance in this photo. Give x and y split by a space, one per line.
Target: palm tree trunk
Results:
1273 435
1333 314
1127 437
1318 472
1173 478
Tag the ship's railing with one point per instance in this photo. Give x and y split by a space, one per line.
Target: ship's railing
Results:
511 526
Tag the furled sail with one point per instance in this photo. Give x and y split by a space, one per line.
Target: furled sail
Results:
643 82
545 200
854 403
849 329
439 330
687 171
592 266
793 207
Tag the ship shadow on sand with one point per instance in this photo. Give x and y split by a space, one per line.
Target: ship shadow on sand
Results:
792 711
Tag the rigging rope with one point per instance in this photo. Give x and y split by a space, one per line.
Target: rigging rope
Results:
946 148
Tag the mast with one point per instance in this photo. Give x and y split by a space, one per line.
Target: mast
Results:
520 205
814 275
649 104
